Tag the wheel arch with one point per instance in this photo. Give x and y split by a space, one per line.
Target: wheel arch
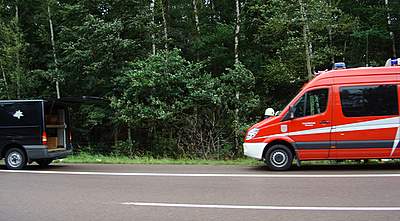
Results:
281 142
12 145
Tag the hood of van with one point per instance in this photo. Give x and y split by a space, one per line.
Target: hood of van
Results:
266 122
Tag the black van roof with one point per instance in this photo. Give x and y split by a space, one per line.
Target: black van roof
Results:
83 99
8 101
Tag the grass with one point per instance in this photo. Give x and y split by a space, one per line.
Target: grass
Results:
86 158
102 159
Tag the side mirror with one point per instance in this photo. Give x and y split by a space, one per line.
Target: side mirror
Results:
269 113
291 112
289 115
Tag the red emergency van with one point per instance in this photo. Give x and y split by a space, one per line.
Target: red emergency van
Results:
340 114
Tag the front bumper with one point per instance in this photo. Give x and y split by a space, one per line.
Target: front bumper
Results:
254 150
36 152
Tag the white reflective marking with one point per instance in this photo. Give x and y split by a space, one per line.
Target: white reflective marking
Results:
396 141
312 131
253 207
206 174
367 125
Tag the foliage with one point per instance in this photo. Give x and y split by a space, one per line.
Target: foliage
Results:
190 100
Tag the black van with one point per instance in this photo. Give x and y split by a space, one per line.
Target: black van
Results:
34 130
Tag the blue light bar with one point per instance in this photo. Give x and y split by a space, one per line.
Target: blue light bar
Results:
394 62
339 65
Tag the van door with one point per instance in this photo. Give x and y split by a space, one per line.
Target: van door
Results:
366 121
311 126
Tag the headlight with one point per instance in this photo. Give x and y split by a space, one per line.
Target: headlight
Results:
252 133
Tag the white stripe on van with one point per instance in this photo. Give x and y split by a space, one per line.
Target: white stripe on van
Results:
396 141
392 122
368 125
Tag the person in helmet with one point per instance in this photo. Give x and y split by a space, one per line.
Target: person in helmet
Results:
269 113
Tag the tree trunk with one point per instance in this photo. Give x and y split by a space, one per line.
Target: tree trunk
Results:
237 95
197 24
391 32
53 45
307 43
344 50
331 44
17 55
367 52
116 135
196 17
130 135
153 36
165 25
237 31
5 79
330 33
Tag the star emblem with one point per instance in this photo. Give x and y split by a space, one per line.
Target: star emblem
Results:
18 114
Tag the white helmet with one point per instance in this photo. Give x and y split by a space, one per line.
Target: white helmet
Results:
269 112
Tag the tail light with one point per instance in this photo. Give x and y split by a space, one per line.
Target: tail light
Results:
44 138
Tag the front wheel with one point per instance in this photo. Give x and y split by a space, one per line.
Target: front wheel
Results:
15 159
278 157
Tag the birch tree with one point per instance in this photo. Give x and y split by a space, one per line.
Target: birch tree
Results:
164 20
53 45
237 94
152 24
196 17
18 48
306 40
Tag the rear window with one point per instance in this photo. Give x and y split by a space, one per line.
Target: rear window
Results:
361 101
21 114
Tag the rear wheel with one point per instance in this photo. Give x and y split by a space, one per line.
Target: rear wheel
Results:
278 157
15 159
44 162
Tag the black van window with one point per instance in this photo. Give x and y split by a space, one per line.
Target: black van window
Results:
20 114
361 101
312 103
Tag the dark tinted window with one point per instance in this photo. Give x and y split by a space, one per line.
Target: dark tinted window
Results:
312 103
363 101
300 107
20 114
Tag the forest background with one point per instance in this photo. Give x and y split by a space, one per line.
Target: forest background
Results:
182 78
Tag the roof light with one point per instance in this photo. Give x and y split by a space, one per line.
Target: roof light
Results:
339 65
392 62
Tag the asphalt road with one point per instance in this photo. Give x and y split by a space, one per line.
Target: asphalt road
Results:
171 193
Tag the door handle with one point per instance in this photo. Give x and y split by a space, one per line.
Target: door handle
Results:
324 122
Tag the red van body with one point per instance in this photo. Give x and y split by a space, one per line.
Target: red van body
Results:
340 114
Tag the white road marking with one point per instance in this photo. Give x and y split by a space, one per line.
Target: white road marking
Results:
206 174
310 208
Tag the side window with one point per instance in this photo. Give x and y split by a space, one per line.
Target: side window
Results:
317 101
361 101
299 107
312 103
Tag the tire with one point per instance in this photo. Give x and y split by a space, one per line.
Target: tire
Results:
278 157
44 162
15 159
